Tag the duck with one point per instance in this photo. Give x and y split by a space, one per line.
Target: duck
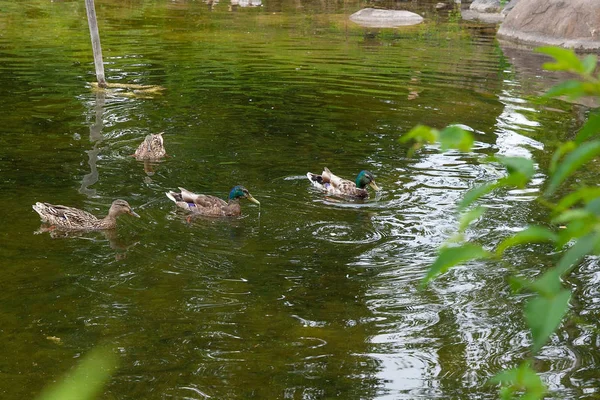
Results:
212 206
152 148
337 186
74 219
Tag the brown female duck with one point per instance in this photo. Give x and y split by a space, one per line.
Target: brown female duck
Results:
69 218
152 148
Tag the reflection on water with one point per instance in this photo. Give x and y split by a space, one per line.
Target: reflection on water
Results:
111 236
95 138
307 296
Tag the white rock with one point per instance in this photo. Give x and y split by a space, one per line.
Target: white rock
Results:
376 18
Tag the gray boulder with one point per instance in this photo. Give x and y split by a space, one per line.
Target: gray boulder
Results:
572 24
376 18
486 6
509 7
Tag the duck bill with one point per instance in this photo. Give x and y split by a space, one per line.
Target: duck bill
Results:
374 186
131 212
252 199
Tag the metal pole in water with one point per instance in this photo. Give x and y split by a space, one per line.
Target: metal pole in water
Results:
91 15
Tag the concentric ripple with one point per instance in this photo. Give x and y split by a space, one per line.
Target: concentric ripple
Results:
336 232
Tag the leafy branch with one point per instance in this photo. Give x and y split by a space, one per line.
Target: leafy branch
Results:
575 216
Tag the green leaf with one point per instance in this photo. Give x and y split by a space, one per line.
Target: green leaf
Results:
565 59
585 194
518 284
549 284
561 151
520 170
589 129
544 314
421 133
589 64
86 380
454 137
522 379
571 88
593 207
592 88
573 215
475 193
470 216
533 234
574 230
520 165
572 162
449 257
581 248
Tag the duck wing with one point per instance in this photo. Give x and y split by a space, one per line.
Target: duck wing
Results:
202 200
195 202
341 184
63 215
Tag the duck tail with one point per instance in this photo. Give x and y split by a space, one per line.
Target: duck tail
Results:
175 197
316 180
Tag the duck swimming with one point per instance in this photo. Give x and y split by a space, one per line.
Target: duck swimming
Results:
337 186
208 205
70 218
152 148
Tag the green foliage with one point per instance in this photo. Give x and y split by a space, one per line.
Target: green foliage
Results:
577 215
574 160
86 380
451 137
567 60
533 234
470 216
449 257
520 380
475 193
520 170
543 314
590 128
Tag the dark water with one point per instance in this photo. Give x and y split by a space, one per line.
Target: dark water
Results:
305 297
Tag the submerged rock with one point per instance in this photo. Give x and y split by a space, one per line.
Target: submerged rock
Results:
572 24
376 18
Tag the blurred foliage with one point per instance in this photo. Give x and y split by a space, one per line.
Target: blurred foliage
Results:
573 221
86 380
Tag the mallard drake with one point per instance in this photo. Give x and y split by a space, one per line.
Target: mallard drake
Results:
335 185
208 205
70 218
152 148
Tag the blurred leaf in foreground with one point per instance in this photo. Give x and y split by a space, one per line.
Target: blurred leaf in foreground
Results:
532 234
86 380
543 314
452 256
572 162
520 380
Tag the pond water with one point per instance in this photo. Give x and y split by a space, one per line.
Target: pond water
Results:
306 297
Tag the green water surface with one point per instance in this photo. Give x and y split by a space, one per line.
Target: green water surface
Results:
306 297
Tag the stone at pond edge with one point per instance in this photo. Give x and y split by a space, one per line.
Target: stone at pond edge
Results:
572 24
376 18
485 11
486 6
509 7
